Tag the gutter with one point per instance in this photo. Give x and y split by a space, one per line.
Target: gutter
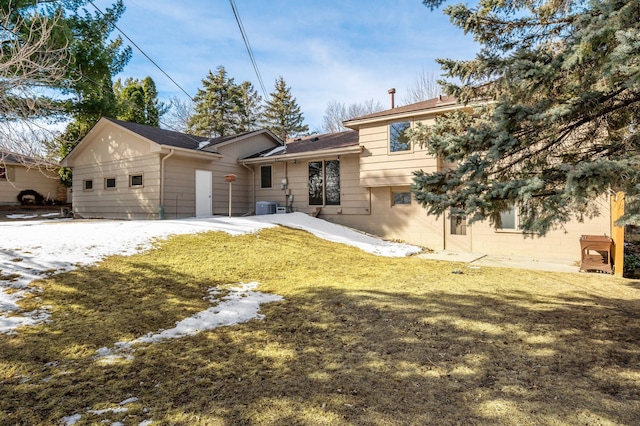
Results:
356 149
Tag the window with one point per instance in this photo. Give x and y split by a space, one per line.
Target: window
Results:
109 183
401 198
265 177
458 225
135 180
3 173
510 219
324 183
87 185
398 140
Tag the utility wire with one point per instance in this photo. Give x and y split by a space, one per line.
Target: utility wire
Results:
142 51
246 43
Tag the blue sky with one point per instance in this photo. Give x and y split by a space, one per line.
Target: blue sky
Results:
347 51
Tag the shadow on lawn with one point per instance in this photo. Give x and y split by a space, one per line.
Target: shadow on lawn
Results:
327 356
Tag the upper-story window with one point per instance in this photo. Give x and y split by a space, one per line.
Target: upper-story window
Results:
398 139
265 177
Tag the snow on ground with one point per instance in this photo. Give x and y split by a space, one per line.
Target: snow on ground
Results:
29 249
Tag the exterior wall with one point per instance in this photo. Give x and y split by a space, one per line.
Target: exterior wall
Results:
123 201
557 244
20 178
380 167
354 199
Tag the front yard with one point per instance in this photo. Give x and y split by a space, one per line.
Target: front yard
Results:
356 339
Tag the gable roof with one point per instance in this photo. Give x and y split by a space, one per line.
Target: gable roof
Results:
406 110
163 136
309 146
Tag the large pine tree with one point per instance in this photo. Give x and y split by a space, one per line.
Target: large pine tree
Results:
218 106
138 101
560 80
282 114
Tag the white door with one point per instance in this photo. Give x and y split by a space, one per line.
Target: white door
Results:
204 183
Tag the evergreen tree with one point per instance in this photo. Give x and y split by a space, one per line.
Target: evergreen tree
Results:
282 114
138 101
560 83
251 111
217 106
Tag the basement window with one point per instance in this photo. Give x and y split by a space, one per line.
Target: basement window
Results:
110 183
401 198
87 185
135 181
458 225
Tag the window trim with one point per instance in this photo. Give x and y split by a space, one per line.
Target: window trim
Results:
389 144
3 173
271 177
110 188
516 229
84 184
393 198
132 175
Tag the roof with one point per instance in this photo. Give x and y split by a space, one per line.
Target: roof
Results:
9 157
312 144
164 136
439 102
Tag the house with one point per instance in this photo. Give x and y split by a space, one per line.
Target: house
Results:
20 172
362 179
131 171
359 178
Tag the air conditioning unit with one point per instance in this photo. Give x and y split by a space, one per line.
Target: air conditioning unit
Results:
266 207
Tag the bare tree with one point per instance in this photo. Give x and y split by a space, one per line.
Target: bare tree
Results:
337 112
426 87
178 116
31 63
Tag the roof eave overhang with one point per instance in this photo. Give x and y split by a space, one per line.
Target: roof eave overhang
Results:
309 155
356 124
190 153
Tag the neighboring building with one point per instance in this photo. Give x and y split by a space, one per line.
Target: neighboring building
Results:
357 178
20 172
132 171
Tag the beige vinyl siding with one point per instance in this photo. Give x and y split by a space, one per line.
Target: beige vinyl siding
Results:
20 178
121 202
354 199
380 167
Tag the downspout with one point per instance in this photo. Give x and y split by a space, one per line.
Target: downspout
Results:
253 189
162 167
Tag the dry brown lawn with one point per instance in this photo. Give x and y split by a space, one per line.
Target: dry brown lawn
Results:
357 340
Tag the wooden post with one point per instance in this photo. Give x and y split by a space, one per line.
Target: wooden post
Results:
230 179
617 232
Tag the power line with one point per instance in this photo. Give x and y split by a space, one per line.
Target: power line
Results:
246 43
142 51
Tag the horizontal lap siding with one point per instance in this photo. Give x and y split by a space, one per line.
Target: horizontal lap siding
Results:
46 183
379 167
121 202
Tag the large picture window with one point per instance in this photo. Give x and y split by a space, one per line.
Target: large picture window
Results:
265 177
324 183
398 139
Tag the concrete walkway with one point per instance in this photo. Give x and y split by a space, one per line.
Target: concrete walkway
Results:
475 259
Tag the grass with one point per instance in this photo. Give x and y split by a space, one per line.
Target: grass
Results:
358 339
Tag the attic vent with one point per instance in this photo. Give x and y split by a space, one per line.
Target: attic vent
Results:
316 139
